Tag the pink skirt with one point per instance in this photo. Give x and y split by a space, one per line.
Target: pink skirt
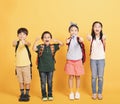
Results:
74 67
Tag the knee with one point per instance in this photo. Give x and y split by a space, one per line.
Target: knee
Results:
71 77
77 77
100 78
94 77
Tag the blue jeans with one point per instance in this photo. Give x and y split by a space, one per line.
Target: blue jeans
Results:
97 68
46 77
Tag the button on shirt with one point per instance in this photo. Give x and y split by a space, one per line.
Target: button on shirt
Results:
74 51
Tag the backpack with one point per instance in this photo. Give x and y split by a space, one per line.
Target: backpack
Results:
40 52
91 45
82 46
29 55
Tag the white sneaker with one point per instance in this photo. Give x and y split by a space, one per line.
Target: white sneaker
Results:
71 96
77 95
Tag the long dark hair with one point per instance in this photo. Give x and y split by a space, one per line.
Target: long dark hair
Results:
93 33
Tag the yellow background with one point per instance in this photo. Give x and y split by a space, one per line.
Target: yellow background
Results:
55 16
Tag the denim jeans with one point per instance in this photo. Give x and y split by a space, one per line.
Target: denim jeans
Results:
97 68
46 77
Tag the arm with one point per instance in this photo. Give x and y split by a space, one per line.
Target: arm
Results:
35 44
81 39
14 43
104 39
27 43
68 40
89 38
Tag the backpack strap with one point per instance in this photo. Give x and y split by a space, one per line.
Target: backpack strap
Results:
52 49
82 46
17 46
103 44
41 50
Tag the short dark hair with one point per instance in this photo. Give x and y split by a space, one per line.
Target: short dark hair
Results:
73 25
24 30
46 32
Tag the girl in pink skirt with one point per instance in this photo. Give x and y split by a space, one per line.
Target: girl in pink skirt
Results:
74 64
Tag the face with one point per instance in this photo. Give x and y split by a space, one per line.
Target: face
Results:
73 31
46 39
97 28
22 36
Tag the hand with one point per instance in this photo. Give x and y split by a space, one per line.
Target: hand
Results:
14 43
38 38
23 41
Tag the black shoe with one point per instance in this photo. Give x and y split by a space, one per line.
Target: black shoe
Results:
21 97
26 97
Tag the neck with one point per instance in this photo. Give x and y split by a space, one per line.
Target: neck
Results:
97 35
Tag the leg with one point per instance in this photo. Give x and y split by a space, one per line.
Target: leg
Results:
93 65
101 65
77 82
70 82
43 83
49 82
77 94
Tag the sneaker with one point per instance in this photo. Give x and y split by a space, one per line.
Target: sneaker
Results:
94 96
26 97
21 97
77 95
71 96
44 98
50 98
100 97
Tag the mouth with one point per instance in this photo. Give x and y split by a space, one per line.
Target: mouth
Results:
47 41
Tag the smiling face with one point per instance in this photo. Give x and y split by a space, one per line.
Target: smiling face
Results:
46 38
22 36
97 28
73 31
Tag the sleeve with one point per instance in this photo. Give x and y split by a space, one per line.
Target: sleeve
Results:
56 47
38 48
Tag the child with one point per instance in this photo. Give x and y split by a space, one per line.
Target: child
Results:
97 58
46 62
23 62
74 65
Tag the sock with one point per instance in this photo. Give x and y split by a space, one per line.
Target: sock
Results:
27 91
22 91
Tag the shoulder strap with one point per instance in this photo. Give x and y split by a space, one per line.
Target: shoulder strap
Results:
103 44
68 43
52 49
29 54
17 46
82 49
41 49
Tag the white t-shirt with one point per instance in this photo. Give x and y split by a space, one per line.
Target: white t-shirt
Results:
97 50
74 51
